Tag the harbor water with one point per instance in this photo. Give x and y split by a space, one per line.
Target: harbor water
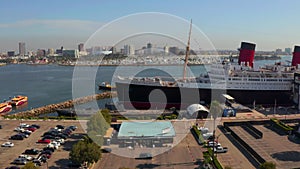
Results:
50 84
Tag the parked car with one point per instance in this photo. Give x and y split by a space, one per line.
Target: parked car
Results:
27 157
35 125
63 136
46 153
220 149
106 150
27 132
213 143
7 144
23 135
60 126
144 156
49 148
72 127
43 158
16 137
44 141
19 129
20 161
60 141
24 125
37 162
31 151
49 137
32 129
53 145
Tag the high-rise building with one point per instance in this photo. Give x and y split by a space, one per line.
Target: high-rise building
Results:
129 50
41 53
22 49
288 51
81 47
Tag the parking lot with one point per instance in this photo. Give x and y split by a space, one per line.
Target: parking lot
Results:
183 155
59 158
273 146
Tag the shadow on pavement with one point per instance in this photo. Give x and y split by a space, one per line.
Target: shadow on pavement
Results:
150 165
276 130
287 156
61 163
294 139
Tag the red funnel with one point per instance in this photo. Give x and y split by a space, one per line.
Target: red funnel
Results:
247 52
296 56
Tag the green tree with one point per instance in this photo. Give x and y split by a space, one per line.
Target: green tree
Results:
98 123
85 151
30 165
107 116
268 165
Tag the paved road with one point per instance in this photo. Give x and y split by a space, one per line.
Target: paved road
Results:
184 155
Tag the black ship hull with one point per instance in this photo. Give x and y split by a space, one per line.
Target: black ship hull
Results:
138 96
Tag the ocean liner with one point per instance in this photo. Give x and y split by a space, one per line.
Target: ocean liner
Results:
268 85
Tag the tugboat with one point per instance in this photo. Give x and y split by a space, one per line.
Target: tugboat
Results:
106 86
19 100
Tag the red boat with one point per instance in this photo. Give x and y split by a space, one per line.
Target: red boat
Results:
19 100
5 107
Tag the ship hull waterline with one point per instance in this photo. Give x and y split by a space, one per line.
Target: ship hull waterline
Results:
137 96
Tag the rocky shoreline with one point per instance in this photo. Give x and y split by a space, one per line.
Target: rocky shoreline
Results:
63 105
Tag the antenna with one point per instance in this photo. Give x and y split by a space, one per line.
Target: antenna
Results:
187 52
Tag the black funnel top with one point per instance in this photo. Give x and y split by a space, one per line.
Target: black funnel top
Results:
248 46
297 49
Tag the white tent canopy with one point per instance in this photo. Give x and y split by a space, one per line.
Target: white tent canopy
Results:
195 108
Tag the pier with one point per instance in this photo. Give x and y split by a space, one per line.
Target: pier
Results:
63 105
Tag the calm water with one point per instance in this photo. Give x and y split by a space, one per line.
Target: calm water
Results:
48 84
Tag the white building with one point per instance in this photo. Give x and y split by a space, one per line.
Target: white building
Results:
129 50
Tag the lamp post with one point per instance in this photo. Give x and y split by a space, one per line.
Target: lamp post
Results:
215 110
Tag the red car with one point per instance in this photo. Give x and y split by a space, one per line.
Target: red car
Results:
44 141
32 129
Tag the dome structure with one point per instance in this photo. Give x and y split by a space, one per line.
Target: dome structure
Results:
194 109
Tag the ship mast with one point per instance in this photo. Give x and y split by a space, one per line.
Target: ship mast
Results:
187 52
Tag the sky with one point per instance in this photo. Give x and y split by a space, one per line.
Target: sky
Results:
42 24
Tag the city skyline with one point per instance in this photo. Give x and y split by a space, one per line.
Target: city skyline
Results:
43 25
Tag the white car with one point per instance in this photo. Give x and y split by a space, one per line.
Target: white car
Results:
211 144
19 129
7 144
54 145
27 157
24 125
60 141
